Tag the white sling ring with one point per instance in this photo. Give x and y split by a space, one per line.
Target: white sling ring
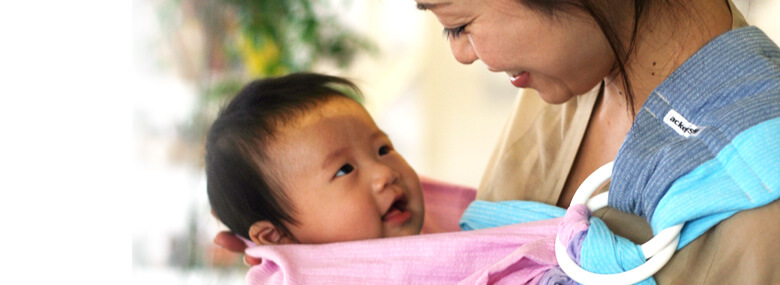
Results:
657 250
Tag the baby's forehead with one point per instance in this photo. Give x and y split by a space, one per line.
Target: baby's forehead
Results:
332 110
341 103
334 119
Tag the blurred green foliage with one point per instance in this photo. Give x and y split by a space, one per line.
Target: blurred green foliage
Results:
241 40
292 35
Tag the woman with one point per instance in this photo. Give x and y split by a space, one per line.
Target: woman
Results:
600 66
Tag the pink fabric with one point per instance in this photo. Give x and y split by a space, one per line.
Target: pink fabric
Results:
444 204
574 228
576 222
514 254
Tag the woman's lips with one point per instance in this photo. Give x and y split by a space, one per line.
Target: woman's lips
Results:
520 80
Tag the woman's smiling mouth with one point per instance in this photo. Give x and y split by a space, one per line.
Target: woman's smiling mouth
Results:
520 80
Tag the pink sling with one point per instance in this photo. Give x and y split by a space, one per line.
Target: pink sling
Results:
516 254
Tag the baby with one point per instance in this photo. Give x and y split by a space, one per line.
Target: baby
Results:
296 159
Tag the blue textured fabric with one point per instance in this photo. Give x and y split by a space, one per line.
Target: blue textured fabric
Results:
719 155
744 175
604 252
729 86
483 214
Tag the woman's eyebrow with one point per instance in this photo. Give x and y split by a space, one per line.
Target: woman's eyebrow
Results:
428 6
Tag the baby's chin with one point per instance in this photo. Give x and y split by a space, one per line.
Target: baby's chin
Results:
402 234
413 228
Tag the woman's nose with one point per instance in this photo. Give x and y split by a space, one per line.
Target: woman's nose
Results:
383 176
463 50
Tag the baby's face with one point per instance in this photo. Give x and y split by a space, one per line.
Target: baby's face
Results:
343 177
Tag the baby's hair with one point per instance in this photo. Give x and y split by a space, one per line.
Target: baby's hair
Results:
241 190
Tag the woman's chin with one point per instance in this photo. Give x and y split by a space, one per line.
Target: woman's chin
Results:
554 96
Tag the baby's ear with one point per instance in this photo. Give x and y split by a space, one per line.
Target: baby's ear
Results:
265 233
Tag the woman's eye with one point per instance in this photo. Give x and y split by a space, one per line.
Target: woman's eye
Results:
344 170
452 33
384 150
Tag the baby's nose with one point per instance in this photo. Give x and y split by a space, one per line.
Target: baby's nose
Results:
383 176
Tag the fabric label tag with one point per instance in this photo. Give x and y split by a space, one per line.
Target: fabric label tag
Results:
680 125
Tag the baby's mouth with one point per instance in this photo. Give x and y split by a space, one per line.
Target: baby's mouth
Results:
398 210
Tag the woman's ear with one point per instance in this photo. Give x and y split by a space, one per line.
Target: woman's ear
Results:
265 233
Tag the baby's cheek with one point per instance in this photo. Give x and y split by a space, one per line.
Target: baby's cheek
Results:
368 227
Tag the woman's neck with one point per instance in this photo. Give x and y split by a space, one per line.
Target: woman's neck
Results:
668 35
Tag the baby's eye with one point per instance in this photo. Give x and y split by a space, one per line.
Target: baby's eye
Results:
384 150
344 170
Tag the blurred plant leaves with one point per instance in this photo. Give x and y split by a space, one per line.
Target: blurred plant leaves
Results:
240 40
292 35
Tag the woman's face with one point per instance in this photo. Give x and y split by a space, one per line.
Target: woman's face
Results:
560 56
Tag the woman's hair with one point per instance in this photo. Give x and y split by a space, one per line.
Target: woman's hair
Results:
240 188
599 12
